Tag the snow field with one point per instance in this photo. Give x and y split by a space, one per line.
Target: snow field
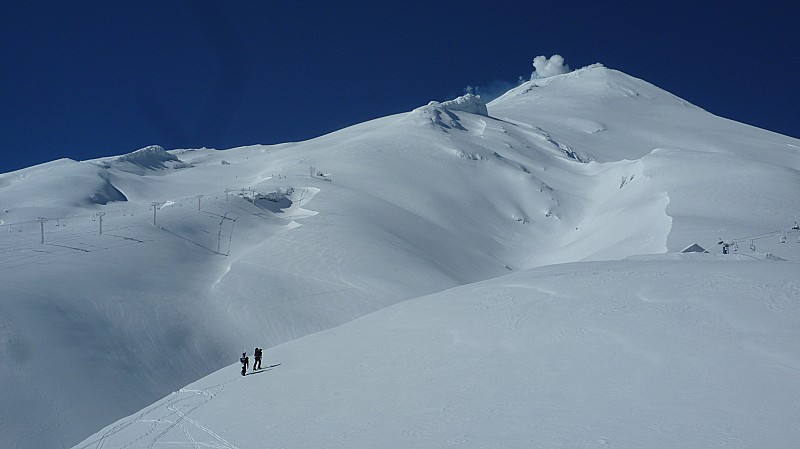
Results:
654 352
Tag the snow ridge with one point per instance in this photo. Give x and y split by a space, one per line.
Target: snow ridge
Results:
152 157
466 103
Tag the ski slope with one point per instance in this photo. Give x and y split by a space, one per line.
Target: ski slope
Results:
205 253
657 352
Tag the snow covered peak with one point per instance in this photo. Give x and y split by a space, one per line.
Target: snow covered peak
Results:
138 285
465 103
588 84
152 157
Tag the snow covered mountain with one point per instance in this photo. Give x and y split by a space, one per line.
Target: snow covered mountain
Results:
127 278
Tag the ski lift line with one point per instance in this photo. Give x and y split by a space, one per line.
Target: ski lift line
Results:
61 243
765 235
69 247
61 238
123 237
190 241
25 229
31 253
757 237
111 211
255 214
218 215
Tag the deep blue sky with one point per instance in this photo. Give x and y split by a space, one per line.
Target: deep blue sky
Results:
91 79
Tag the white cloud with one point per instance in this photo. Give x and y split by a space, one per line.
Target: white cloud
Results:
544 67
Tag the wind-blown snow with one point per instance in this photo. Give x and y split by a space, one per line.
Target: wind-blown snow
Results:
544 67
465 103
265 245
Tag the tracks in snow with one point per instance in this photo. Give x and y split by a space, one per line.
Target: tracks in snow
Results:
168 418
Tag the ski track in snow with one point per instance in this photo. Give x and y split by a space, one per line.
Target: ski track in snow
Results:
178 407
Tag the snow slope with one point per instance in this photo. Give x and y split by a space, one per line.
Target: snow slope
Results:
206 253
657 352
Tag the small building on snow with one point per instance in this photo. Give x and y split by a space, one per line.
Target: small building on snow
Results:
694 249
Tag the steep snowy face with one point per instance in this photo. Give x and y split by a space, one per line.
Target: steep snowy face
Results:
620 117
695 161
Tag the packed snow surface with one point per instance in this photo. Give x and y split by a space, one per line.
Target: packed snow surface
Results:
450 276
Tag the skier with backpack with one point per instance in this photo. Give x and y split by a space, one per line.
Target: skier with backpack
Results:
245 363
257 357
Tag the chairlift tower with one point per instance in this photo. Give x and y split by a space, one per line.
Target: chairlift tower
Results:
100 217
41 223
155 205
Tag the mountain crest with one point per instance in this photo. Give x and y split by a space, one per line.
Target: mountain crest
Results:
143 160
465 103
